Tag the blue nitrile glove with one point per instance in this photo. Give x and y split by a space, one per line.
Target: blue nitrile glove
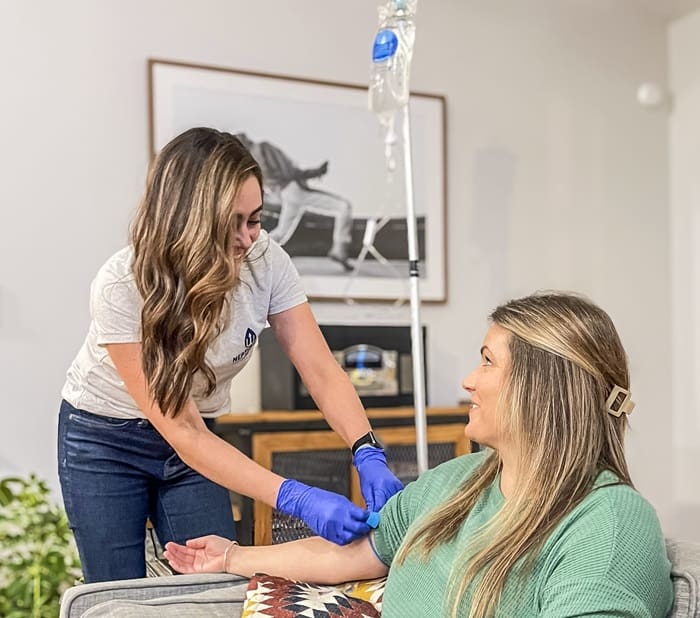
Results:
329 515
377 482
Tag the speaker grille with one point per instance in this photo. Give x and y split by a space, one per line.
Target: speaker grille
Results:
403 459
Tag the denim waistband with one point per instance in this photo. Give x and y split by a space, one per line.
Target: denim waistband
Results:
68 408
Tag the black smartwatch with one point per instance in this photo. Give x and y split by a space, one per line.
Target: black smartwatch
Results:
369 438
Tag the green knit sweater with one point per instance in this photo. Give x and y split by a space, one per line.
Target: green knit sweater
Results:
605 558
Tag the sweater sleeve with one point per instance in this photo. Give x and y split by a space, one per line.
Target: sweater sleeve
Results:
395 518
598 597
610 561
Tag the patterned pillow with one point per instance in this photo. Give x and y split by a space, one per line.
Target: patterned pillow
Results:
283 598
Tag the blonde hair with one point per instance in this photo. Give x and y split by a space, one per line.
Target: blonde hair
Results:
182 237
566 357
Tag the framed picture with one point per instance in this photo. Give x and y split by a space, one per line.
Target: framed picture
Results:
330 197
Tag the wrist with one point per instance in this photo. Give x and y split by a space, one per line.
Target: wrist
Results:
367 455
227 555
362 447
369 439
290 496
282 491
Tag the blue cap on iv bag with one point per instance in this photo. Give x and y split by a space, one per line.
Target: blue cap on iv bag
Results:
385 45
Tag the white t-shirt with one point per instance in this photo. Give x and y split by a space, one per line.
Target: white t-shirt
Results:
269 284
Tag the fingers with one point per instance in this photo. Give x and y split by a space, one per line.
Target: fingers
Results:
180 550
378 485
372 500
352 531
351 525
378 497
330 515
178 559
355 512
379 494
199 542
374 494
396 486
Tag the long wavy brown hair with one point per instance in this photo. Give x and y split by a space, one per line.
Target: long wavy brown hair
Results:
566 357
182 237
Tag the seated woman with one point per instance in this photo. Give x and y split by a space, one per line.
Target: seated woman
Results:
545 522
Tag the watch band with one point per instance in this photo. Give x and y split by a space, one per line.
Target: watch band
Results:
369 439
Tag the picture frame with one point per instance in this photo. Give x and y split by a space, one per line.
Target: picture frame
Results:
333 147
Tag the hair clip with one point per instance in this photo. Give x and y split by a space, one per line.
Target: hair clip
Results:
619 401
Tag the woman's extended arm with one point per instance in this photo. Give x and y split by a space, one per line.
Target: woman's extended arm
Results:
311 560
198 447
331 389
301 339
332 516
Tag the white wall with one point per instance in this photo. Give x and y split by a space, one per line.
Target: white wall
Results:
557 179
685 261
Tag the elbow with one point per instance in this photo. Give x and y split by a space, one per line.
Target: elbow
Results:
186 442
187 457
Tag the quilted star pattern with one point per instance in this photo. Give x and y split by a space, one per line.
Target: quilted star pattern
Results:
268 596
371 590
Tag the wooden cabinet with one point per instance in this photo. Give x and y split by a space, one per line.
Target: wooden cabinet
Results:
300 445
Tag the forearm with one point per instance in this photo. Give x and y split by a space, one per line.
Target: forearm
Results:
337 399
312 560
224 464
300 338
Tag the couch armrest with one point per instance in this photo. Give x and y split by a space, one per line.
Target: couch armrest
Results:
78 599
685 573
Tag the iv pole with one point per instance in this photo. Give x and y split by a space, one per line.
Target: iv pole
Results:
400 8
413 274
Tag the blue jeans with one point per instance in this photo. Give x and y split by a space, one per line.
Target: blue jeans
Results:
114 474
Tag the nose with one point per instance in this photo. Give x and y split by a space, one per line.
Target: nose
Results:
243 239
469 382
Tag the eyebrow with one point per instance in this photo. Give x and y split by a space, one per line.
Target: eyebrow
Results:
257 211
484 347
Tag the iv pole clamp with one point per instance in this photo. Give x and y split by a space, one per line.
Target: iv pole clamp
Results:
388 98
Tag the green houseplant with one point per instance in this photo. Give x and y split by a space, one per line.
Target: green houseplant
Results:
38 558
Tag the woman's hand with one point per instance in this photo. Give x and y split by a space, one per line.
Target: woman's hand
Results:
328 514
201 555
377 481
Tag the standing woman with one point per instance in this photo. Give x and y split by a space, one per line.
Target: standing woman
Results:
175 317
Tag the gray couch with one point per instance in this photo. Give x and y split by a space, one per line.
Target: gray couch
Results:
221 595
215 595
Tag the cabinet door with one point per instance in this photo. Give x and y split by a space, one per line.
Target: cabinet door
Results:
322 459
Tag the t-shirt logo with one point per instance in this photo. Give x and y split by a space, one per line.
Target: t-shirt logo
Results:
250 338
249 341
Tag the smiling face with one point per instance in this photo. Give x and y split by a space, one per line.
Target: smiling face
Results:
248 208
485 384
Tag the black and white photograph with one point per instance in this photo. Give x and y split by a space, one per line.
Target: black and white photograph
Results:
334 194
